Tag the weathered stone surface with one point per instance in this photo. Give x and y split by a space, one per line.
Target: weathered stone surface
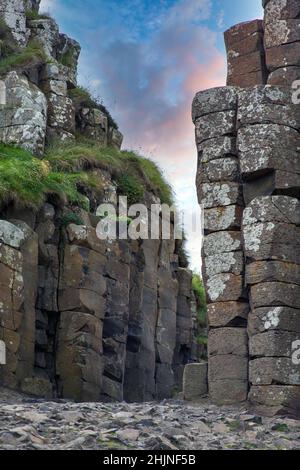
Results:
274 318
115 138
79 356
272 370
267 241
275 294
164 380
255 163
214 100
58 72
47 32
275 209
9 256
61 113
228 391
278 32
226 341
37 386
223 218
273 343
67 46
32 5
227 314
231 262
274 400
251 43
285 55
86 236
285 76
236 34
242 65
228 367
11 235
222 242
267 104
224 287
13 12
219 147
270 271
23 117
259 136
195 381
214 125
93 124
248 79
226 169
219 194
272 182
281 9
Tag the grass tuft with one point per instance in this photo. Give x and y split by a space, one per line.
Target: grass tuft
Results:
69 172
82 97
31 56
134 174
200 295
34 15
28 181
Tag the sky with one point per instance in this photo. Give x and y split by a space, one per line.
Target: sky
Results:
146 59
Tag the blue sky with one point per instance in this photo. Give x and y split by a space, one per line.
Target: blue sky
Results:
146 59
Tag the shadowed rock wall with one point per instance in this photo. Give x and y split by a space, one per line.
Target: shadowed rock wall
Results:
248 183
81 318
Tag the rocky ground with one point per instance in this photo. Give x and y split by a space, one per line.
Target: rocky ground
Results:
27 424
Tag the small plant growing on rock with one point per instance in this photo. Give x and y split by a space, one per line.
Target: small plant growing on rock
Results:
71 218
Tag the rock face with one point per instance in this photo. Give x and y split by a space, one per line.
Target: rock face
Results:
46 96
261 52
87 319
248 183
23 118
81 318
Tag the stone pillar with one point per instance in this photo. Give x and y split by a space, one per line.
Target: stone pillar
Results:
245 54
13 13
220 193
165 334
18 291
81 302
184 326
115 326
271 232
282 40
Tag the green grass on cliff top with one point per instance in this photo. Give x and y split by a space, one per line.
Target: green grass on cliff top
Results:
127 167
28 181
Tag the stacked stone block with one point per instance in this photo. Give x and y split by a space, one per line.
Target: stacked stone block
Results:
13 12
115 326
282 41
18 291
245 54
220 194
265 246
23 115
271 233
82 286
185 326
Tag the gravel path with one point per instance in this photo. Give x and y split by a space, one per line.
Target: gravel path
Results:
36 424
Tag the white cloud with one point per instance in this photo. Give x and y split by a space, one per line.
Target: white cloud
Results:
48 5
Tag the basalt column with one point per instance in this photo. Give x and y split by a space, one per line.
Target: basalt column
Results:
282 40
250 191
220 193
